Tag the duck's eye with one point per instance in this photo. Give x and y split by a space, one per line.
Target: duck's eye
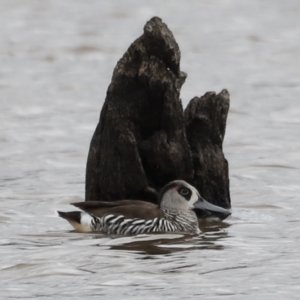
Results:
184 192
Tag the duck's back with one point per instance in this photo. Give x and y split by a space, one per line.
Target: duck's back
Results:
127 208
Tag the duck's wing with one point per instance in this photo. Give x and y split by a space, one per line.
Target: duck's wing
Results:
127 208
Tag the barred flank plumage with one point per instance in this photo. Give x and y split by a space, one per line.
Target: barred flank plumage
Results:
111 224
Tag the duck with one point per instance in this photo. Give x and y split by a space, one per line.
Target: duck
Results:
175 213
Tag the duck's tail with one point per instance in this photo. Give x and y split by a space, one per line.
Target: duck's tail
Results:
81 221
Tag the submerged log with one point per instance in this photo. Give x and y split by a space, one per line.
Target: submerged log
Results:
144 139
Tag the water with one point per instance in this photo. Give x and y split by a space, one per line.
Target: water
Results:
57 58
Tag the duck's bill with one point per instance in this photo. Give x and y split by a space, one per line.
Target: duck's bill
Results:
220 212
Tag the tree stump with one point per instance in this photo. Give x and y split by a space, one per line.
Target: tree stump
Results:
144 139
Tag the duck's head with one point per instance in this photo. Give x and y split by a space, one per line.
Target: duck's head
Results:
179 195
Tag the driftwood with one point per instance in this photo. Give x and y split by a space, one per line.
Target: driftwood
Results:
144 139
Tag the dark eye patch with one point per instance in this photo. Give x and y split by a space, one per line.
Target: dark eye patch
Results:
185 192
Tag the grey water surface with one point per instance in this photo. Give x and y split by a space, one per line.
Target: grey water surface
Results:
57 59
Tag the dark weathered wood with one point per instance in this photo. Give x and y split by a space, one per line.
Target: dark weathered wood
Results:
205 127
144 139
